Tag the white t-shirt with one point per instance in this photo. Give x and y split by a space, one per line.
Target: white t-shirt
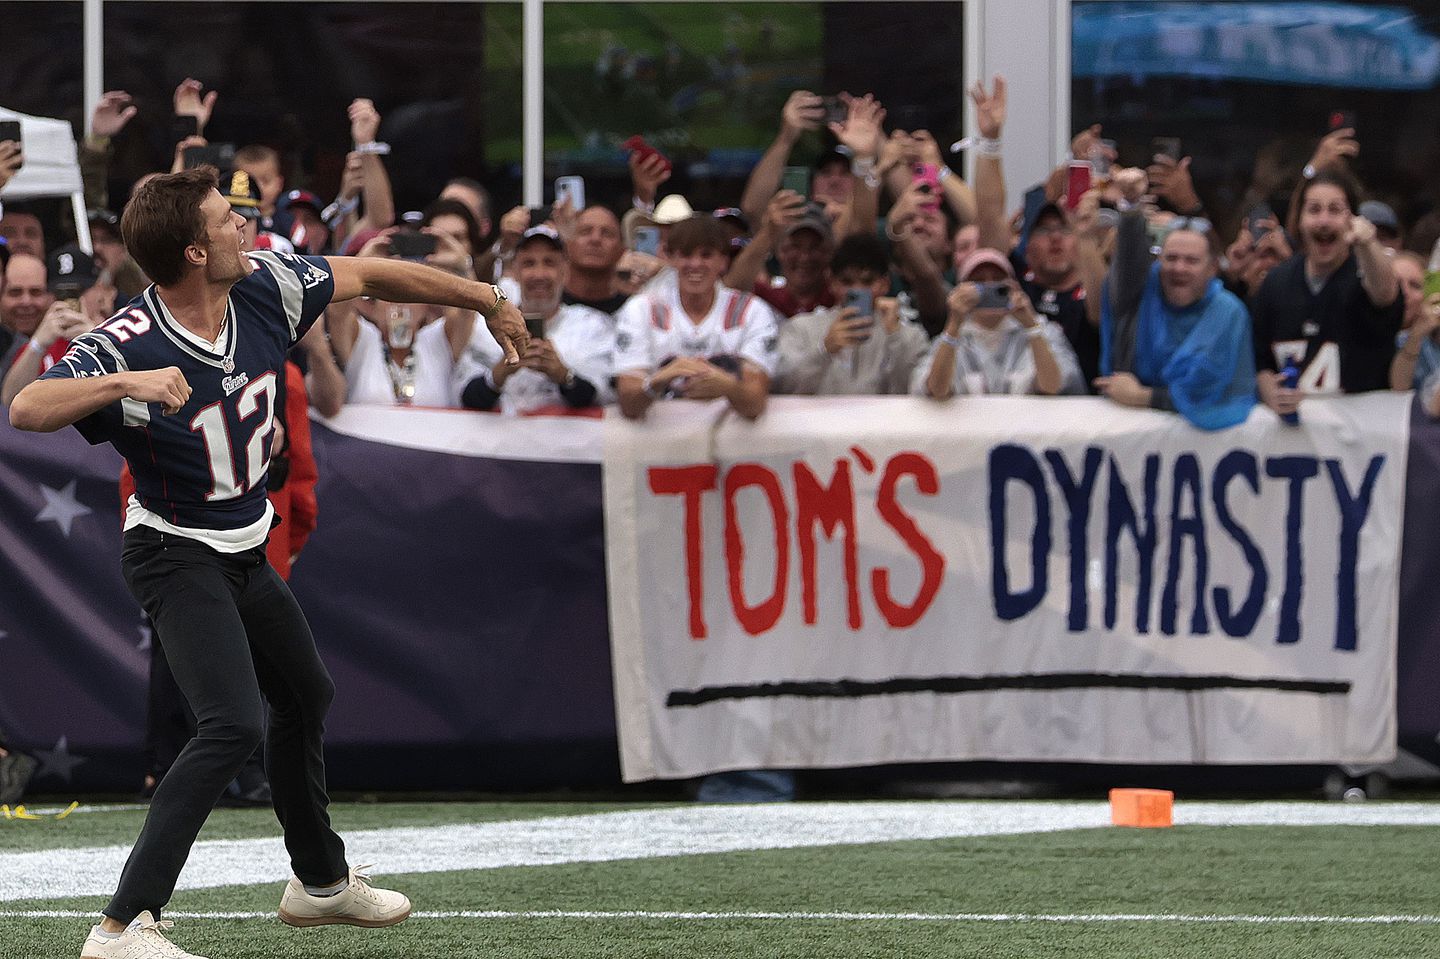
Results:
653 327
368 376
583 338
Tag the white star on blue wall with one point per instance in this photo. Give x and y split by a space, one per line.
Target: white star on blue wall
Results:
61 507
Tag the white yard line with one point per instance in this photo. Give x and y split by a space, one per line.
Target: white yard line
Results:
668 916
651 833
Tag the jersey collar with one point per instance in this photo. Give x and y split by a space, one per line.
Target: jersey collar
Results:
188 342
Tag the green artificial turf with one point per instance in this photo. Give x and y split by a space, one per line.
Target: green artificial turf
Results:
1191 870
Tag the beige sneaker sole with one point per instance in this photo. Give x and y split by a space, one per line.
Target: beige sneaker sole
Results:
303 922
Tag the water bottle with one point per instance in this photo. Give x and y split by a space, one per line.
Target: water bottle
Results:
1290 378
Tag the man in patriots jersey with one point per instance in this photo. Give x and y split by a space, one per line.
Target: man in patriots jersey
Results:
182 382
695 339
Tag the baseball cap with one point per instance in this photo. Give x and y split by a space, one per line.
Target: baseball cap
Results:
106 220
671 210
302 198
543 232
813 218
733 214
71 269
983 256
1380 214
239 189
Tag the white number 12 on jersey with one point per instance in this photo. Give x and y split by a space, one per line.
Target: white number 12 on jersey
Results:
210 424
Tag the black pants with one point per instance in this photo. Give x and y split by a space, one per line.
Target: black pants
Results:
232 633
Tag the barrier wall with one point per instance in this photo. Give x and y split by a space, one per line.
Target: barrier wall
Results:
457 588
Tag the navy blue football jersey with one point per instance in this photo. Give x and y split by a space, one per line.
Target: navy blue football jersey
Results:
204 467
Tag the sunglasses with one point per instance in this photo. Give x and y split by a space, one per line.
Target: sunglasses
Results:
1195 224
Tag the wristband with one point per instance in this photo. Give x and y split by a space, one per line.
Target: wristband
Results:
374 146
862 166
648 387
35 345
337 211
951 341
942 173
642 206
986 147
1036 331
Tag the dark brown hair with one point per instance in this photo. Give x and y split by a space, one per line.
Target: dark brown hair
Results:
699 231
1339 179
163 218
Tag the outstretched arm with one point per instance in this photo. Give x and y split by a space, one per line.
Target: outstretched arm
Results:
400 281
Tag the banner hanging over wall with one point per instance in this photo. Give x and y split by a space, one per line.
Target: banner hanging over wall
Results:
880 580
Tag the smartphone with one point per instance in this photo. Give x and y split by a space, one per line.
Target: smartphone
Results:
647 240
572 187
219 155
836 109
1255 220
1077 183
994 295
1340 120
1167 147
927 175
10 130
535 326
182 126
864 303
412 246
796 178
637 144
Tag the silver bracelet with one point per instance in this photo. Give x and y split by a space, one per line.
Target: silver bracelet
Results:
1036 331
951 341
374 146
986 147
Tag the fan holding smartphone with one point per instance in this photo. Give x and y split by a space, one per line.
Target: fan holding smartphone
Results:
994 342
860 347
12 154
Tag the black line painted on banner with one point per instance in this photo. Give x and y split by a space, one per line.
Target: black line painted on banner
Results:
857 689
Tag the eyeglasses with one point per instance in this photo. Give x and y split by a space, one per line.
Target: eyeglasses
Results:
1195 224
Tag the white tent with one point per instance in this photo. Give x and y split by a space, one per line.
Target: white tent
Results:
51 168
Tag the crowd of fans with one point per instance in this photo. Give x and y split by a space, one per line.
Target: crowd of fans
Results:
876 270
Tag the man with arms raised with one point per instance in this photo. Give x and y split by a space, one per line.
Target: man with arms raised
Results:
182 383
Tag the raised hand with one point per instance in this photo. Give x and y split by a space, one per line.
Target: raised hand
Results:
863 129
190 103
11 160
364 121
1170 180
647 174
1334 149
114 110
990 108
1361 231
803 111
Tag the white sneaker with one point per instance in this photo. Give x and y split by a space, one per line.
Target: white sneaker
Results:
144 938
358 904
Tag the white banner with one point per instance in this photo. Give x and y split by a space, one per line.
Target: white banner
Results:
877 580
